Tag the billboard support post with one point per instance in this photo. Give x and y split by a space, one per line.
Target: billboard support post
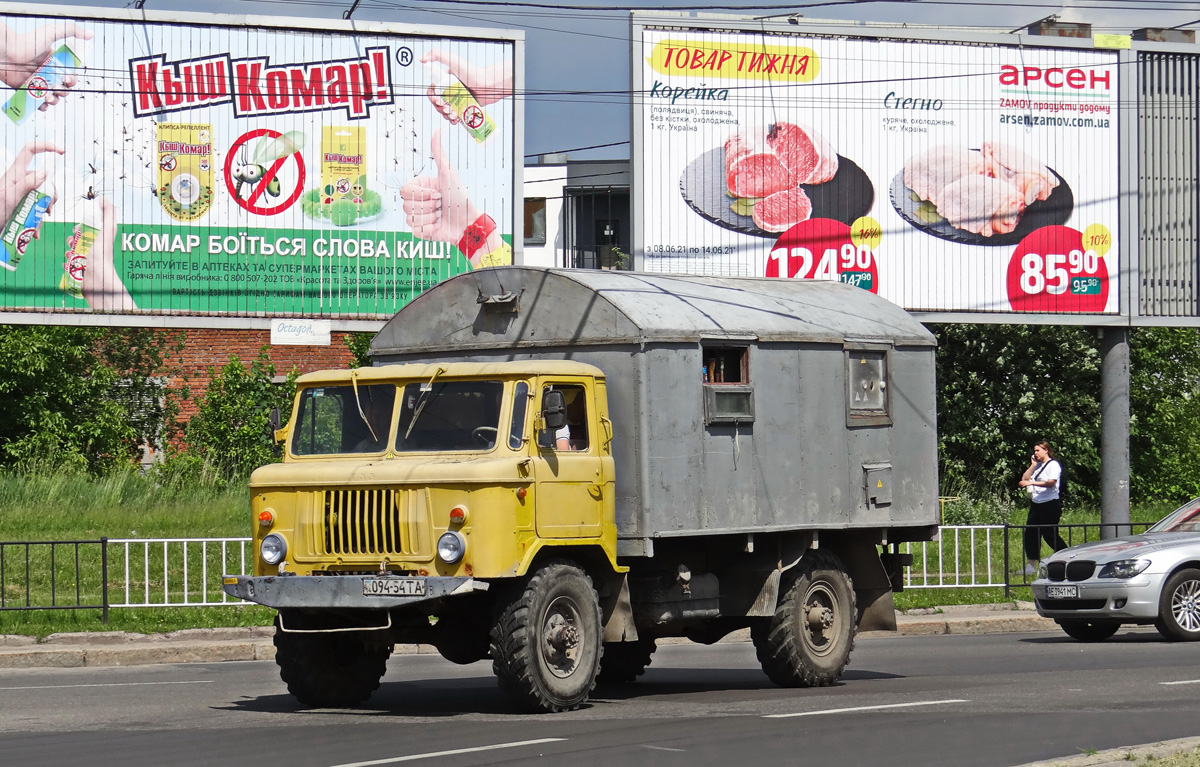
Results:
1114 429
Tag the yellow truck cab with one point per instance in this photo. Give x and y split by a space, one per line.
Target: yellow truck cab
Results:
554 469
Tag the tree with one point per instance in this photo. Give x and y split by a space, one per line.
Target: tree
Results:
70 395
230 430
1003 387
1164 438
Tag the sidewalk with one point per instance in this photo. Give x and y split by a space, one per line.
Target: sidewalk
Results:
118 648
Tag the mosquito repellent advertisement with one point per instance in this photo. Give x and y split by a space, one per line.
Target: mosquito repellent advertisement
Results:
194 165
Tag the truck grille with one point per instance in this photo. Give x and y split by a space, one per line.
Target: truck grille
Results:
376 522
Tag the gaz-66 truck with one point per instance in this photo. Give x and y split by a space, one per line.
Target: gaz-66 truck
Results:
554 469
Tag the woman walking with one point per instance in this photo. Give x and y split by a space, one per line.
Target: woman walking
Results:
1040 480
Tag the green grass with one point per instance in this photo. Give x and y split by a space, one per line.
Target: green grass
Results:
64 507
61 506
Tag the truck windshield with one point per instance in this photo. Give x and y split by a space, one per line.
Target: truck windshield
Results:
449 415
332 420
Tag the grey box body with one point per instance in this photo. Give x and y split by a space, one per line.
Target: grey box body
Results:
802 462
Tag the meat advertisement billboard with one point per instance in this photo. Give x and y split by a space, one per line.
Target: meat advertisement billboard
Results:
187 165
941 176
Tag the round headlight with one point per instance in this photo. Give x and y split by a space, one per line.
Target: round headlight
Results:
451 547
273 549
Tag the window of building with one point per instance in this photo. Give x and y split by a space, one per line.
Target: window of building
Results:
535 220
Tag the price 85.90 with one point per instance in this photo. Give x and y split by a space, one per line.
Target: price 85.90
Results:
1052 271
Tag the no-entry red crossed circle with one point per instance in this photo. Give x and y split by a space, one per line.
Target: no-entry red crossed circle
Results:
251 203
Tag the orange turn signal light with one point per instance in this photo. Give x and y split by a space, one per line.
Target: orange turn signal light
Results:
266 517
522 492
458 515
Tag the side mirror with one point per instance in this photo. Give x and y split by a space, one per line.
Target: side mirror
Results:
275 422
554 409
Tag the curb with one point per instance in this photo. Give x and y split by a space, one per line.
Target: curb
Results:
1124 756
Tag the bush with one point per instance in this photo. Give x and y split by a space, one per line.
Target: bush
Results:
970 507
80 397
230 433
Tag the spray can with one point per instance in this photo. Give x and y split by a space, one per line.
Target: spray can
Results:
21 229
466 107
29 97
79 246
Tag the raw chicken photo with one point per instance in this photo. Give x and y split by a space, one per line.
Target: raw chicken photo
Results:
979 195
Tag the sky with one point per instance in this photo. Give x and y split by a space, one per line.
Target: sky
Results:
577 61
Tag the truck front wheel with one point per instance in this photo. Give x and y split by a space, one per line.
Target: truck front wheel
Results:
546 642
330 670
807 642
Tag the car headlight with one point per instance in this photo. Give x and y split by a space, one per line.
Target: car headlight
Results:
1123 568
451 547
1043 572
273 549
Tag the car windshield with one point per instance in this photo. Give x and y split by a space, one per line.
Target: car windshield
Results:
1185 519
336 419
449 415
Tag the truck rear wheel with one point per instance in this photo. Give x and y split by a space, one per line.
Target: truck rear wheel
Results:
807 642
334 670
546 642
624 662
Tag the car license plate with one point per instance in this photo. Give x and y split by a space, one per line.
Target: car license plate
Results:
393 587
1062 592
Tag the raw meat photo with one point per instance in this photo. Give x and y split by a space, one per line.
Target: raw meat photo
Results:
766 179
994 195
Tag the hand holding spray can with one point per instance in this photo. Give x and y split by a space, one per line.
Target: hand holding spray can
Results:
459 98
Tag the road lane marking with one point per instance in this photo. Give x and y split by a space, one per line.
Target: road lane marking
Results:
109 684
866 708
414 757
663 748
1183 681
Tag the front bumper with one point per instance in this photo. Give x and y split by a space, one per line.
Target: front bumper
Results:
317 591
1098 600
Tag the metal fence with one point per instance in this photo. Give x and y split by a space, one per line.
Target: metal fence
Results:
186 572
991 556
174 572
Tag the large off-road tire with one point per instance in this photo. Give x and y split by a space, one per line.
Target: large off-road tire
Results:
335 670
807 642
547 640
1179 607
1086 630
624 662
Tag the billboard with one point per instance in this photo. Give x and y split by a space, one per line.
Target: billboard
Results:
190 166
942 176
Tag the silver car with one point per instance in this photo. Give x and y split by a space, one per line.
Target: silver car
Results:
1093 588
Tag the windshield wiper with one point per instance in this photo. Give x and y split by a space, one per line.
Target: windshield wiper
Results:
423 400
358 404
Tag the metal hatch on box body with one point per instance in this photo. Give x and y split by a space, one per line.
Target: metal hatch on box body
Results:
775 449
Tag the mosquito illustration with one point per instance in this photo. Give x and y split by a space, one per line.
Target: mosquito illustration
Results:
267 150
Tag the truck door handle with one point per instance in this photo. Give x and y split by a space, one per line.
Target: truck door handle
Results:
595 491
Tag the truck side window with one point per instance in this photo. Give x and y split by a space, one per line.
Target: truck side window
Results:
728 395
516 432
573 436
867 401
